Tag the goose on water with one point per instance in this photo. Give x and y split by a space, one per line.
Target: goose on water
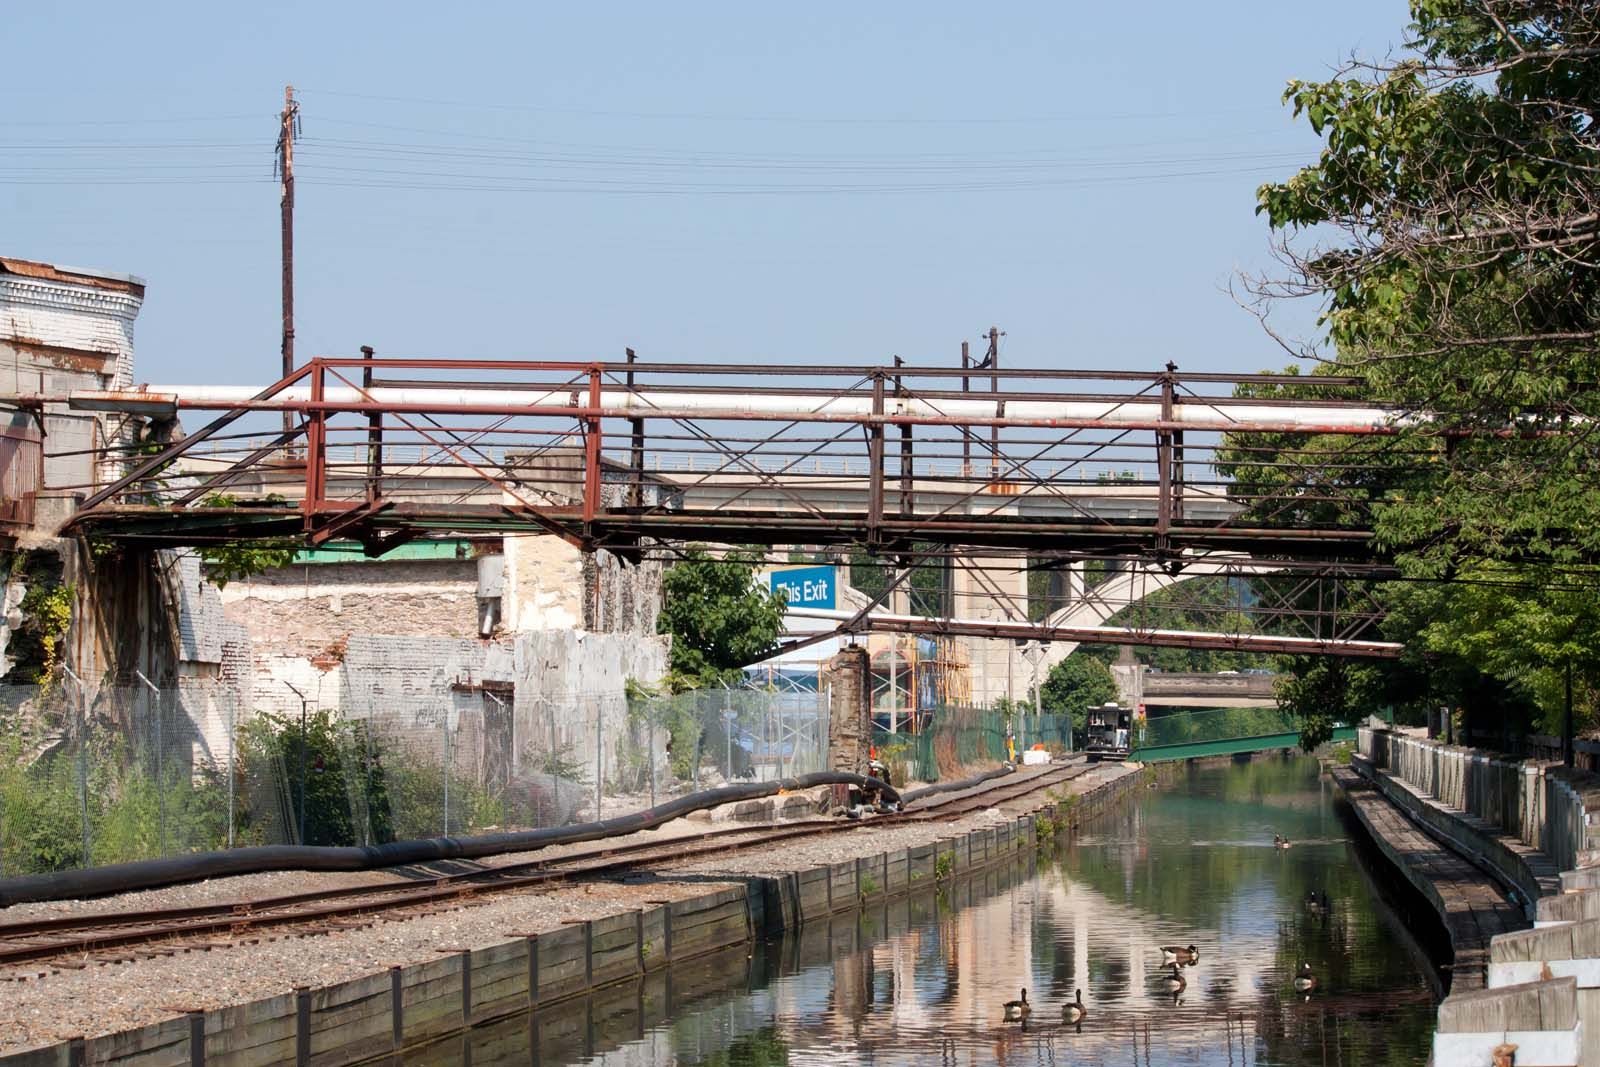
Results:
1178 954
1018 1010
1075 1011
1305 981
1174 980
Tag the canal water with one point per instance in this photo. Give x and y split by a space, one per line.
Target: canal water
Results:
924 979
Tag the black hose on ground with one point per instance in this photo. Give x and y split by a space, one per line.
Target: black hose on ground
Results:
949 787
152 874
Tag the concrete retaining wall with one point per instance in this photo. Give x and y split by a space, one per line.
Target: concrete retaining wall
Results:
1502 856
380 1014
1528 821
1546 806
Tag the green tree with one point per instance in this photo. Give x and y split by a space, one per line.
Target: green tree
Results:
1321 691
1214 602
227 561
1075 685
1459 187
1451 231
718 615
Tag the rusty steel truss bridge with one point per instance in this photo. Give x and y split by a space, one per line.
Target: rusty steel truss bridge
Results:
903 466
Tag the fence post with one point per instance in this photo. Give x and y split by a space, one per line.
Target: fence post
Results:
161 764
83 759
650 747
233 770
445 721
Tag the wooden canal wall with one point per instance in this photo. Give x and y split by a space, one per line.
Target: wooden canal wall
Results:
412 1007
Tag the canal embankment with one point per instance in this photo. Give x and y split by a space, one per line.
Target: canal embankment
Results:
346 995
1498 845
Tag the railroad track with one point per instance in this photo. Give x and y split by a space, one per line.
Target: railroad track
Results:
77 940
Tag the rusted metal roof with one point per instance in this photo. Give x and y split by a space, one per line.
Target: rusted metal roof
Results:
98 279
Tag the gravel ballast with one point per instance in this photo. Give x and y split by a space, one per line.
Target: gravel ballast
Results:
50 1002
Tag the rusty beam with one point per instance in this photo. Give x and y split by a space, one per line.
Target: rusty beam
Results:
178 448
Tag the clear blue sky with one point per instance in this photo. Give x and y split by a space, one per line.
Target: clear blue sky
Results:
731 182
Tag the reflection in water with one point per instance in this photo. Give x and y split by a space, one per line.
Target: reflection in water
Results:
926 979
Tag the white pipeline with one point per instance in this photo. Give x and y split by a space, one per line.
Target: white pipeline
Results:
1023 629
802 407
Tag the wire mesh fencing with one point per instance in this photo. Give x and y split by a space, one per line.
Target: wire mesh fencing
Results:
722 735
957 740
91 777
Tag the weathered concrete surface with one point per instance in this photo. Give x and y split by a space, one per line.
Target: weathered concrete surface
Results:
1531 871
308 608
1539 985
845 679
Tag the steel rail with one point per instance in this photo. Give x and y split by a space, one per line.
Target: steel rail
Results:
130 928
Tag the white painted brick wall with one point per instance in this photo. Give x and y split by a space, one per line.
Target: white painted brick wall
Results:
71 316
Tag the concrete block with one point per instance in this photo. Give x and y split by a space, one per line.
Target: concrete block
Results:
1530 1006
1568 907
1551 943
1535 1048
1585 972
1580 879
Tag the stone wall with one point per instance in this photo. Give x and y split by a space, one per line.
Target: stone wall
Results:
849 725
551 585
307 609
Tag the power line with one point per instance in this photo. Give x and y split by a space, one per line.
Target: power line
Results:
853 120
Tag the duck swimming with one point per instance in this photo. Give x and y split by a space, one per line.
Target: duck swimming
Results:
1305 981
1075 1011
1018 1010
1175 954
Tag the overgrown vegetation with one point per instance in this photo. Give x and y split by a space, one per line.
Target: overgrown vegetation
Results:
36 648
46 610
232 560
719 617
1075 685
359 789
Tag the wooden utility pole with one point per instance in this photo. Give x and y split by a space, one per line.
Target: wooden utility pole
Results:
966 431
992 361
636 450
287 131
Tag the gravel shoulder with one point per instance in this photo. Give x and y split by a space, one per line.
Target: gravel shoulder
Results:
48 1003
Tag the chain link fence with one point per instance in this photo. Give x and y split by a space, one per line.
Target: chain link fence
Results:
143 771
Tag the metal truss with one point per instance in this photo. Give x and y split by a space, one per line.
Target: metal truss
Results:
904 464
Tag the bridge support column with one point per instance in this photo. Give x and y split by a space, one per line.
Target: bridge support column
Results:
846 681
